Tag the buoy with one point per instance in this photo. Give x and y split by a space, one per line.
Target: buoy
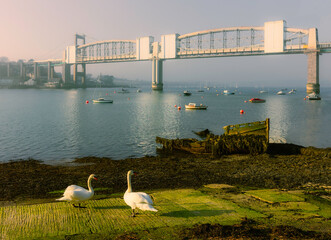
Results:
304 99
242 111
245 100
179 108
175 105
87 102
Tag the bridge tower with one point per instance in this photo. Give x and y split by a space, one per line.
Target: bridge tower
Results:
313 63
82 74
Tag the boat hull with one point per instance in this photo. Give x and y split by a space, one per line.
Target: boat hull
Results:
189 107
102 101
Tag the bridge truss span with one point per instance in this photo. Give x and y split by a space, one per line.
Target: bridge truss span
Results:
221 41
237 41
106 51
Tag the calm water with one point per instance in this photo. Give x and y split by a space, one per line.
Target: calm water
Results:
57 125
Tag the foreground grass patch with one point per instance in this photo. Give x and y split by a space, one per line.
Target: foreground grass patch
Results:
111 216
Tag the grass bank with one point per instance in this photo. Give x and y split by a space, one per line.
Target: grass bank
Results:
282 193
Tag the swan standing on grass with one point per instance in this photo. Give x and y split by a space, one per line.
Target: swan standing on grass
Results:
77 194
139 200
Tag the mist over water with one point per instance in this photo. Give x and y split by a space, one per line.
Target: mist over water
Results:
58 125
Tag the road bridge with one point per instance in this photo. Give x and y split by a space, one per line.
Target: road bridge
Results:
273 38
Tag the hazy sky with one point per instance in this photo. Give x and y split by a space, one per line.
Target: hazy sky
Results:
41 29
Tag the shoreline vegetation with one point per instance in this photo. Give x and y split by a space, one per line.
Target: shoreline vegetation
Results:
285 168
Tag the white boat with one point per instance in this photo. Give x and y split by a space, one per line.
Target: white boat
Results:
313 96
194 106
263 91
102 100
281 92
227 92
292 91
138 90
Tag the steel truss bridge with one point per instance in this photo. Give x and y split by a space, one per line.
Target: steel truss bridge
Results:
222 42
272 38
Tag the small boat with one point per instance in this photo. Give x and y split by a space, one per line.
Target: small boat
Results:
124 91
227 92
139 90
187 93
102 100
194 106
263 91
292 91
257 100
281 92
313 96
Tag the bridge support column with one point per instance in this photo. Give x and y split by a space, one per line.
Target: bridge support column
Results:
66 73
157 74
49 70
82 74
22 70
36 71
8 70
313 72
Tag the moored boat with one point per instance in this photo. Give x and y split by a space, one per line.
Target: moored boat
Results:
187 93
281 92
102 100
313 96
257 100
227 92
194 106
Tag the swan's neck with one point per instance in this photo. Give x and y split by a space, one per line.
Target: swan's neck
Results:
90 188
129 183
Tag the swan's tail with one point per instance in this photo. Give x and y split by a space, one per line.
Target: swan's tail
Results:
147 207
62 199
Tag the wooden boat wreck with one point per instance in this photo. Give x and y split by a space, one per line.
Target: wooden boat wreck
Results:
249 138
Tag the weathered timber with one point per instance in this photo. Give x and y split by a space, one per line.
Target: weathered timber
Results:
251 138
251 128
217 145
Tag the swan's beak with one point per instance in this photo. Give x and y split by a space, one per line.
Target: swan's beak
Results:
95 178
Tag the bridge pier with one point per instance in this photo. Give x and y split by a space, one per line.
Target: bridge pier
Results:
82 73
157 74
8 70
313 62
313 73
22 70
36 71
66 73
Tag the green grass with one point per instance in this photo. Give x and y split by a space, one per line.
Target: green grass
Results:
177 209
111 216
274 196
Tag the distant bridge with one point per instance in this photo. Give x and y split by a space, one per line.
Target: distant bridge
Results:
272 38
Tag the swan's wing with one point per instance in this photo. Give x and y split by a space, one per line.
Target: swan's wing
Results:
77 193
144 198
145 202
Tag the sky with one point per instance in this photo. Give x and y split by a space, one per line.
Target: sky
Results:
41 29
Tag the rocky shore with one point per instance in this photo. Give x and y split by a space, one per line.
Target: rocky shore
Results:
284 166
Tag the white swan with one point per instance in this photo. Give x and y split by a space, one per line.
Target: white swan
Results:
139 200
77 194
